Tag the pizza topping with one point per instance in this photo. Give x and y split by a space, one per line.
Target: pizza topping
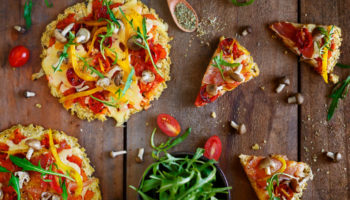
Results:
134 43
49 196
234 76
294 184
33 144
241 128
83 35
266 164
212 89
23 178
297 99
147 76
73 78
103 82
118 77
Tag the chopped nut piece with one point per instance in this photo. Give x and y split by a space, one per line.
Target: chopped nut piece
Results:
334 78
38 105
256 147
213 115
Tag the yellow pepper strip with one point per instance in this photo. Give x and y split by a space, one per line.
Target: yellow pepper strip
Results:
98 32
16 151
77 70
101 65
65 168
281 170
110 54
80 94
94 23
324 70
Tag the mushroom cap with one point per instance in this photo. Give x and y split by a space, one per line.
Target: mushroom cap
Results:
59 36
235 76
242 129
84 34
133 42
34 143
212 89
147 76
300 98
285 80
294 184
266 162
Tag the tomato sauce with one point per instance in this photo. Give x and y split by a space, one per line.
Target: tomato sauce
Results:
17 137
96 106
66 21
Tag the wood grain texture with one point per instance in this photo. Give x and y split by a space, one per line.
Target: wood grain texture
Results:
331 179
98 138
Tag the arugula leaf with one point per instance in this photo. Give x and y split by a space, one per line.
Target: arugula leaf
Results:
128 81
64 189
93 70
113 103
219 61
64 54
327 39
28 166
246 3
340 91
49 5
3 169
343 66
110 30
115 54
110 12
144 38
14 182
28 13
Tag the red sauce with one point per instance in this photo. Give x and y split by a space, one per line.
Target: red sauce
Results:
69 91
17 137
73 78
4 147
236 53
225 46
63 145
66 21
52 41
89 195
75 159
96 106
100 11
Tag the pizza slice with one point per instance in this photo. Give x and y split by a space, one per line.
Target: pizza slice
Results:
318 45
276 176
230 66
44 164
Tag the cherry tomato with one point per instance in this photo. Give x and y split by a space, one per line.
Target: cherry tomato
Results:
168 125
213 148
18 56
73 78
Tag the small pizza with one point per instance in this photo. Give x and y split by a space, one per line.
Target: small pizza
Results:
106 58
44 164
230 66
276 176
318 45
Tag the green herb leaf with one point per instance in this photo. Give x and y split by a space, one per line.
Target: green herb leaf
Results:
28 13
64 189
128 81
339 92
110 30
28 166
115 54
86 65
110 12
343 66
14 182
112 103
144 38
327 39
3 169
219 61
246 3
64 53
49 5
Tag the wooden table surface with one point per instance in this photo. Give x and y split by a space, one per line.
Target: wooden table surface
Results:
301 132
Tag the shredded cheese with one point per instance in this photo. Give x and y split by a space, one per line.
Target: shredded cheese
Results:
64 167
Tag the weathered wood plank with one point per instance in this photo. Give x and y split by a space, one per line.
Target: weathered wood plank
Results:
265 113
331 179
98 138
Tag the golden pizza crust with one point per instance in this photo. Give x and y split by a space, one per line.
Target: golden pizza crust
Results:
83 9
38 132
261 193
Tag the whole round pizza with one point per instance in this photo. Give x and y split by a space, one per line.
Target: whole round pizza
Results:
106 58
44 164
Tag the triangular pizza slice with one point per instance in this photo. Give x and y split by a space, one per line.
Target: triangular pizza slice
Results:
230 66
276 177
318 45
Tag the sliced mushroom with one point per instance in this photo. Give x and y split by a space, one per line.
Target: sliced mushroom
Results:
33 144
212 89
294 184
59 36
118 28
83 35
118 78
147 76
235 76
67 29
46 196
56 197
134 43
266 164
23 178
103 82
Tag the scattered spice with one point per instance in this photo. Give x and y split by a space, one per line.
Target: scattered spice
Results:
185 16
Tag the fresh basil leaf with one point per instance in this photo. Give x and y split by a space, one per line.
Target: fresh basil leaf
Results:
28 166
3 169
14 182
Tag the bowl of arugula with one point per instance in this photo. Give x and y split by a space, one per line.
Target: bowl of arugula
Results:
181 175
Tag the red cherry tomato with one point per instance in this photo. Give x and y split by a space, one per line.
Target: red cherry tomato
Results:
18 56
168 125
73 78
213 148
